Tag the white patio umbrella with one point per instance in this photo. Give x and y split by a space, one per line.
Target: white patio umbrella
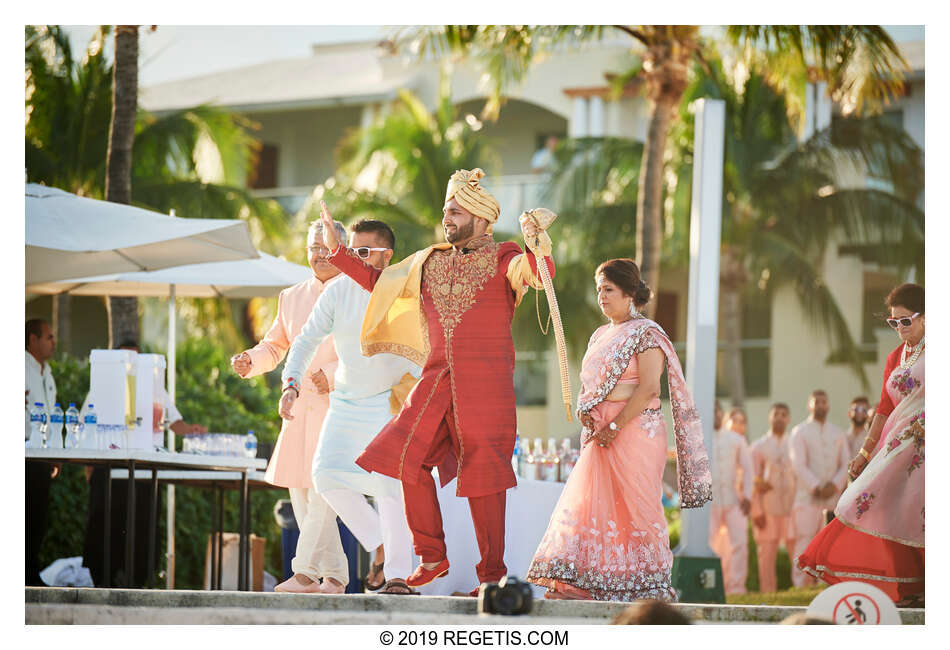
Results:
246 278
264 276
69 236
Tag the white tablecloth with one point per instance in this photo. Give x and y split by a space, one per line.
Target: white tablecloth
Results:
528 509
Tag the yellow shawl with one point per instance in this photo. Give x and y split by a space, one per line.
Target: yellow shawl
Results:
393 321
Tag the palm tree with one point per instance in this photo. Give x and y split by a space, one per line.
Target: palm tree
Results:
397 168
666 54
193 161
123 313
783 204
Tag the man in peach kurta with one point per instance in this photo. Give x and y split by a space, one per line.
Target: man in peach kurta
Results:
774 486
319 553
819 455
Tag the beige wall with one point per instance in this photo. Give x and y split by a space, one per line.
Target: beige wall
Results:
514 135
306 140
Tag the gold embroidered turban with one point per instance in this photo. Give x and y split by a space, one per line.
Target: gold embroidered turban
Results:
464 187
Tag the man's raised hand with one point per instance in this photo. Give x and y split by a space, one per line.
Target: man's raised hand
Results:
330 239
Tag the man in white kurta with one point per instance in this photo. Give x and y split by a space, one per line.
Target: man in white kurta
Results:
360 405
819 455
732 492
774 486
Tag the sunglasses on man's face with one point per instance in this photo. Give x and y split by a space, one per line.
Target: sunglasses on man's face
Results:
364 251
906 321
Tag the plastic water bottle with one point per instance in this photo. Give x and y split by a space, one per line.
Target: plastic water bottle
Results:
54 438
72 426
527 460
39 423
552 462
568 458
516 456
89 436
250 445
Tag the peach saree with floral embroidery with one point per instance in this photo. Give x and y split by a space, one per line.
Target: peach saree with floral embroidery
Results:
877 535
607 538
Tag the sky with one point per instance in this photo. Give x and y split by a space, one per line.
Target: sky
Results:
179 51
176 52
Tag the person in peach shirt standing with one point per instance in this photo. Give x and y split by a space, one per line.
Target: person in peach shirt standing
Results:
732 492
319 553
774 492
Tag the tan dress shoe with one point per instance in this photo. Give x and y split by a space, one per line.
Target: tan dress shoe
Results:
330 587
293 586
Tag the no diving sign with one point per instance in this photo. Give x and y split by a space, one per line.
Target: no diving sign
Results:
855 603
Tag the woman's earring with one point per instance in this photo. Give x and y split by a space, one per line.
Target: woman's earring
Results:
633 309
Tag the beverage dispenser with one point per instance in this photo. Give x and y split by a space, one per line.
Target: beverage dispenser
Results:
112 388
150 402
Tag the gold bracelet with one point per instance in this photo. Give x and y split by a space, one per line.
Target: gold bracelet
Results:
865 453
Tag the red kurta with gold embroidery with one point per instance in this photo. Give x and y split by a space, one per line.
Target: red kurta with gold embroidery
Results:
467 305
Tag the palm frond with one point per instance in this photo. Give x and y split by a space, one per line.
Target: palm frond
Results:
863 66
793 266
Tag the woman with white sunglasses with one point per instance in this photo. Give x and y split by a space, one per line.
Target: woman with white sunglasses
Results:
877 535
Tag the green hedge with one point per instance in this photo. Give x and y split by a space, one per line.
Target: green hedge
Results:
208 393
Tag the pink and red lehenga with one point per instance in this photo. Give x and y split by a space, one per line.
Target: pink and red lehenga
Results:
607 538
877 535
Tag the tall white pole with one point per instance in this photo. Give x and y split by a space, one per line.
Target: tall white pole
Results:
170 532
703 310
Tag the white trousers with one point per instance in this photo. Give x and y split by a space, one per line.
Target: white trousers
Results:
804 525
319 550
728 537
387 527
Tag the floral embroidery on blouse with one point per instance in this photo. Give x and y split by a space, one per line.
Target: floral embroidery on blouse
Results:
864 503
904 382
647 342
453 280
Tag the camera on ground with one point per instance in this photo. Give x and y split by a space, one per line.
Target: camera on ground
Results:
509 597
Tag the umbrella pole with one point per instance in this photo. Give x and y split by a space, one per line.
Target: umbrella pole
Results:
170 568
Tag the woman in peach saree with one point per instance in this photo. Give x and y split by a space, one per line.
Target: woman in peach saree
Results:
607 538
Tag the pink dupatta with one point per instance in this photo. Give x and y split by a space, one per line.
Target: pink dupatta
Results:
599 376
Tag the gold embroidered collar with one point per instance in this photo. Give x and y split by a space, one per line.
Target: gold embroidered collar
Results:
474 244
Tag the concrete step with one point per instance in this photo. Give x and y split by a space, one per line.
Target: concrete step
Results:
55 605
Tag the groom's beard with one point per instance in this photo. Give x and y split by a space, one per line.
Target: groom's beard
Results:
460 233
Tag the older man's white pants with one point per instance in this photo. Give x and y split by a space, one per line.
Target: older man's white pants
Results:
319 550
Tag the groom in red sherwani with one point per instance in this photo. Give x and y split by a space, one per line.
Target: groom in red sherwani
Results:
449 308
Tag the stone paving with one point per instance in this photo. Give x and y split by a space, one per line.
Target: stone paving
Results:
64 606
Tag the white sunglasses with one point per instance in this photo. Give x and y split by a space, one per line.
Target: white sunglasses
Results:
364 251
906 321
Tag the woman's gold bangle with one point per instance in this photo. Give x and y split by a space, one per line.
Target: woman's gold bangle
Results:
864 452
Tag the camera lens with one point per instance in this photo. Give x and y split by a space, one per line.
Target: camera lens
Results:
509 600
